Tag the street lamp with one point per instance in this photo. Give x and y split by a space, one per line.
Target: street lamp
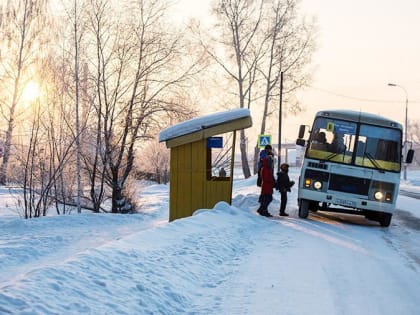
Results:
406 124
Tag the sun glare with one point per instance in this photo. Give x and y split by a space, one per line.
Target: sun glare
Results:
31 92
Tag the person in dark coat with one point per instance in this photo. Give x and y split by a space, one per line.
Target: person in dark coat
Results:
283 185
337 145
267 185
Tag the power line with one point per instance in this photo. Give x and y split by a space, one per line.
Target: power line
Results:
360 98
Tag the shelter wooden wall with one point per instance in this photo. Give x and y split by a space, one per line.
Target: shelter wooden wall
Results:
190 186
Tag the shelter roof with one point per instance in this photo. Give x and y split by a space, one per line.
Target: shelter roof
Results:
206 126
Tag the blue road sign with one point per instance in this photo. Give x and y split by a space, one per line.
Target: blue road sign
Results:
263 140
215 142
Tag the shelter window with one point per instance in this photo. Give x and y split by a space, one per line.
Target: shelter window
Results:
219 150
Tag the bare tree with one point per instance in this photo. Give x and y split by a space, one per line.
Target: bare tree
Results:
135 72
133 76
79 30
21 29
44 143
59 126
156 162
42 162
258 40
414 136
77 40
288 44
239 23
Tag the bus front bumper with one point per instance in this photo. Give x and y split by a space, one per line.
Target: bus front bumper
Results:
344 200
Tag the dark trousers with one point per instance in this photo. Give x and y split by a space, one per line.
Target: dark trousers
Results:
283 196
265 201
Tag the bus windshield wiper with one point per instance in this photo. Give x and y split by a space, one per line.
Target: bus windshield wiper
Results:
329 157
334 154
373 161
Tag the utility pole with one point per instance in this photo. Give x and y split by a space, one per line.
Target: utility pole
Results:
280 123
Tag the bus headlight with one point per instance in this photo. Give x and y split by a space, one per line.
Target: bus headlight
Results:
307 182
317 185
378 195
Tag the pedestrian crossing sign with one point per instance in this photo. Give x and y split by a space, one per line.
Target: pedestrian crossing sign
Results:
263 140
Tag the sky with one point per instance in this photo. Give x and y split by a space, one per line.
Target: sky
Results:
362 46
225 261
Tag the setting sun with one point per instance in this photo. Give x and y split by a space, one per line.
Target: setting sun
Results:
31 92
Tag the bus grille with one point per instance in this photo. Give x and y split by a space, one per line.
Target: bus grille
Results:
318 165
348 184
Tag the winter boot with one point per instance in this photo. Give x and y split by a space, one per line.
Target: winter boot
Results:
284 214
266 213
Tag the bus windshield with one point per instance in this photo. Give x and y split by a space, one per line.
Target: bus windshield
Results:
342 142
379 147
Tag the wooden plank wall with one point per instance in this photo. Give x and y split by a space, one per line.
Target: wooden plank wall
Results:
217 191
189 188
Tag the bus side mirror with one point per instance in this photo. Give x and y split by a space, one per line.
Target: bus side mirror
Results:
301 142
410 156
301 131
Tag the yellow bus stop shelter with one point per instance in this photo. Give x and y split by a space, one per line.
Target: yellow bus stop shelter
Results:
193 182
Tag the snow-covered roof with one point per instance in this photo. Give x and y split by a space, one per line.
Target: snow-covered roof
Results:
198 124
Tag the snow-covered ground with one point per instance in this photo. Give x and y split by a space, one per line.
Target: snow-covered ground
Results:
224 261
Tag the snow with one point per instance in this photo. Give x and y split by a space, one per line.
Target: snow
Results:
224 261
202 122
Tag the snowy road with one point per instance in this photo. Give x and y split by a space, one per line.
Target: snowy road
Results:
328 264
324 266
411 194
333 263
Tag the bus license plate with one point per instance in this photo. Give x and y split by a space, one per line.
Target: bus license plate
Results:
344 202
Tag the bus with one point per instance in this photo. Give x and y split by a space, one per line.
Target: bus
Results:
352 164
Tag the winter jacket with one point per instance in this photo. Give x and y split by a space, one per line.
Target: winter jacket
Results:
267 177
283 182
263 154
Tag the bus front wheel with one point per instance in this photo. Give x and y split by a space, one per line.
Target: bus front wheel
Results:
385 219
303 208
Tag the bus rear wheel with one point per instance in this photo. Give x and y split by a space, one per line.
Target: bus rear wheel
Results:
303 208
